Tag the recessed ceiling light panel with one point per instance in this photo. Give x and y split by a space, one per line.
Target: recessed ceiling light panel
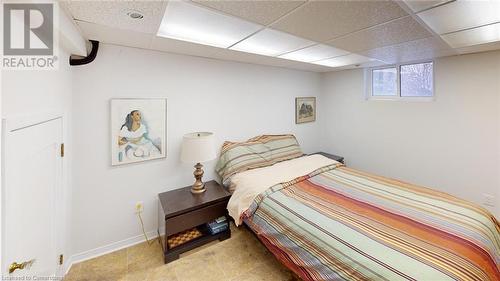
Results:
344 60
188 22
271 42
480 35
459 15
314 53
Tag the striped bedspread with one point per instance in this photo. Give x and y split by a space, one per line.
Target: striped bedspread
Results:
341 224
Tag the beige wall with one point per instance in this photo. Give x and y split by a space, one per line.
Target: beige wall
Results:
451 144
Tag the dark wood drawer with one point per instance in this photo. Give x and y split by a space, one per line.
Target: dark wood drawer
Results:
194 218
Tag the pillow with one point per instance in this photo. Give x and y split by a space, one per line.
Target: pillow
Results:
257 152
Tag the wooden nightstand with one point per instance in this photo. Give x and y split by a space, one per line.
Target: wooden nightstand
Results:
181 210
331 156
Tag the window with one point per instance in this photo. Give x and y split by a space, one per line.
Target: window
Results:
416 80
401 81
384 82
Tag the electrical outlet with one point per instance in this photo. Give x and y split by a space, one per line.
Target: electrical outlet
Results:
139 207
488 200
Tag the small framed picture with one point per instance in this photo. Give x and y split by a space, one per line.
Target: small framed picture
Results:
138 130
305 109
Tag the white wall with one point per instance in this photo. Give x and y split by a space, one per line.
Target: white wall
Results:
26 92
235 101
34 91
451 144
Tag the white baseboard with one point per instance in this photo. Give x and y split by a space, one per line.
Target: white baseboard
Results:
99 251
67 265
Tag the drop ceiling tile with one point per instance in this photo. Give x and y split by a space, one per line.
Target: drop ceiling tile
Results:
325 20
373 63
421 49
193 49
189 22
261 12
183 47
479 48
271 42
420 5
114 13
346 60
233 55
460 15
479 35
311 67
106 34
394 32
314 53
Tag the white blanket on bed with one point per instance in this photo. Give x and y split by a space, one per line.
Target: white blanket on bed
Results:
247 185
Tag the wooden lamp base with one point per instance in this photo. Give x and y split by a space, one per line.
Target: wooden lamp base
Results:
199 185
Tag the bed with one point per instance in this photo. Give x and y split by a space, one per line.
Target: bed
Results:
326 221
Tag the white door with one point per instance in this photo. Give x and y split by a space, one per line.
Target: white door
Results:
31 199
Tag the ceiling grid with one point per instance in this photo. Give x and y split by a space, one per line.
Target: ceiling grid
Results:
316 35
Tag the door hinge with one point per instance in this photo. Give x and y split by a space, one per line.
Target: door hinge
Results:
62 149
61 259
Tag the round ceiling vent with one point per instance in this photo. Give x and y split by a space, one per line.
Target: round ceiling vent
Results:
136 15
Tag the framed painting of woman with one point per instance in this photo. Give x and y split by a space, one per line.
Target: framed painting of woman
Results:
138 130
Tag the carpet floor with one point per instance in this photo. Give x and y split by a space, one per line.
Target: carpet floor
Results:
241 257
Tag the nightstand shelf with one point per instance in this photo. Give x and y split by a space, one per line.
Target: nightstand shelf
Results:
180 210
172 254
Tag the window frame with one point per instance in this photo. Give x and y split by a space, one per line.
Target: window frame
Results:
369 78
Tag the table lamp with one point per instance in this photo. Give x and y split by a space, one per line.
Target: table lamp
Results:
196 148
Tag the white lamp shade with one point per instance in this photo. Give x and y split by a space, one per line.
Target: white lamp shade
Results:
198 147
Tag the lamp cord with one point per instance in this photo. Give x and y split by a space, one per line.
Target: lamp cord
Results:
143 230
